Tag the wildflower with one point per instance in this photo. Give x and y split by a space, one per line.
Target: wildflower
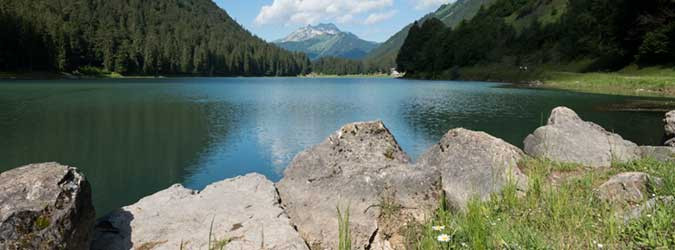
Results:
464 244
438 228
443 238
653 195
649 215
600 246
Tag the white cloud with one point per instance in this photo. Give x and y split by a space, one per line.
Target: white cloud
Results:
313 11
379 17
429 4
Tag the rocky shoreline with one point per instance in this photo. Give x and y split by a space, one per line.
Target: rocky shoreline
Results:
360 167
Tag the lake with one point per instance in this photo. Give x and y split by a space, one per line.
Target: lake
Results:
134 137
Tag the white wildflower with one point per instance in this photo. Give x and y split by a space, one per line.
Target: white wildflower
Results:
438 228
443 238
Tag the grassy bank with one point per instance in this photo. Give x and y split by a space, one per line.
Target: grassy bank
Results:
653 81
313 75
559 211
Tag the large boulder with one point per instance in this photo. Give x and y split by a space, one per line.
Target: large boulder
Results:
361 168
238 213
669 127
45 206
567 138
474 165
658 153
628 189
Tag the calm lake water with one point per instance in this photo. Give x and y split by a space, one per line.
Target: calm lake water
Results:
135 137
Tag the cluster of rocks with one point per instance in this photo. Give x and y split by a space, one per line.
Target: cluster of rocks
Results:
360 168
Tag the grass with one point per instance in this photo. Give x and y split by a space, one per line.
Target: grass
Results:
89 71
314 75
344 234
650 82
563 216
634 81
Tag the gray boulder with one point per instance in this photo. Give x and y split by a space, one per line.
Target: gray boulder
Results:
362 168
45 206
669 127
658 153
627 189
567 138
647 207
474 164
240 213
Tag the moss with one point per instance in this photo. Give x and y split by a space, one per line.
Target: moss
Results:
42 222
389 153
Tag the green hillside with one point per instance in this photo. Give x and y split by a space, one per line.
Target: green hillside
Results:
135 37
384 56
530 40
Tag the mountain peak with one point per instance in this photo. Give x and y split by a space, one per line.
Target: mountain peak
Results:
325 27
310 31
326 39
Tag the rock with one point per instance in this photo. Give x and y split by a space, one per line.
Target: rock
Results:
360 167
669 127
627 189
658 153
639 210
45 206
474 164
567 138
242 213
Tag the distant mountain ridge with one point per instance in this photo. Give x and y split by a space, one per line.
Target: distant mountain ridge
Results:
326 40
384 56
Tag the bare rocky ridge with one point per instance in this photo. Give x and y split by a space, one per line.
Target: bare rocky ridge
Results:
244 213
567 138
474 164
45 206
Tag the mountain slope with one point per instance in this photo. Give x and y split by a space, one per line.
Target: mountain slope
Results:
384 56
514 37
135 37
326 40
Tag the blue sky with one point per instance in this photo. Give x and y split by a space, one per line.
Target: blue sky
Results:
374 20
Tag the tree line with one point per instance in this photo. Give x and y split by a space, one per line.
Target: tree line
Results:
610 33
136 37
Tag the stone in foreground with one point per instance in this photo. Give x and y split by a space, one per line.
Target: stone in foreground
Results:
244 212
569 139
647 207
360 167
627 189
45 206
474 164
669 127
663 154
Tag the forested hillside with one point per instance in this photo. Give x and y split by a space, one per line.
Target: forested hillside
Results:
592 35
384 56
135 37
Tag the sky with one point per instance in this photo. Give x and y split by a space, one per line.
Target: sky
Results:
373 20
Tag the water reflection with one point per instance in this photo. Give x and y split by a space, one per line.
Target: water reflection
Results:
128 144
